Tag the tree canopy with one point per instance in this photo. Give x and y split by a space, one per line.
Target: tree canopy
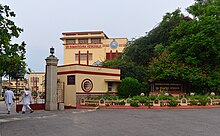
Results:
12 55
181 47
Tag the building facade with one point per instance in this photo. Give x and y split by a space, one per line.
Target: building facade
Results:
80 81
91 47
81 74
36 82
19 84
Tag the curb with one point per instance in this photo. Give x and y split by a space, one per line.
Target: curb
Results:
146 107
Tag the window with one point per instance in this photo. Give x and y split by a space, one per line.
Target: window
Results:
34 79
70 41
83 56
83 41
113 56
76 56
71 80
96 40
110 86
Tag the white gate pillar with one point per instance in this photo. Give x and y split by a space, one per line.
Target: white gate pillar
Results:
51 82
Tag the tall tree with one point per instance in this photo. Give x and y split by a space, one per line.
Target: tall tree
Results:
12 55
141 50
194 49
128 68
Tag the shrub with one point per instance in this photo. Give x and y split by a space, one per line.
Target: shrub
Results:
94 105
152 97
136 98
122 103
203 101
147 103
193 102
143 100
34 93
134 104
173 103
129 87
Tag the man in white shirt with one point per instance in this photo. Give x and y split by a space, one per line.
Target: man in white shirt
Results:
26 99
9 98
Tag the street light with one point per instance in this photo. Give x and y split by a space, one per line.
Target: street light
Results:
52 50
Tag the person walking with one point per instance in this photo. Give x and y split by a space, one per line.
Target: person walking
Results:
9 99
26 100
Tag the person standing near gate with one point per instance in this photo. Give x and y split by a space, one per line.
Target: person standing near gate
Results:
26 99
9 99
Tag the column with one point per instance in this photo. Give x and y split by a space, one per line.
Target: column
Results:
79 57
87 58
110 54
51 83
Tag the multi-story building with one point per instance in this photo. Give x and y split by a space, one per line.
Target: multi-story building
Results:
91 48
36 81
19 84
77 77
15 85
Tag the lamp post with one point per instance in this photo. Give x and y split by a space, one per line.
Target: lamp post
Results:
52 50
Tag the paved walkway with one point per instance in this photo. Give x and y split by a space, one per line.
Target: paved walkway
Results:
3 110
112 122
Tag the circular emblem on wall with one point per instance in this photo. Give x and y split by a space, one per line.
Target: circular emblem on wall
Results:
87 85
114 44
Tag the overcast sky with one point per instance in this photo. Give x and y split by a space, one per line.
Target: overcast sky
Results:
44 21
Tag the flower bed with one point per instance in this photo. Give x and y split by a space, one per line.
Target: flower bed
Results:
161 101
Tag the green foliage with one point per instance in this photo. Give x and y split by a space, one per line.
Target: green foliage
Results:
152 97
203 101
122 103
34 93
93 105
12 55
143 100
129 87
193 102
109 97
134 104
165 97
173 103
128 68
179 48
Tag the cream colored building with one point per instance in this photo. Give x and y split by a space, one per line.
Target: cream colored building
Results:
83 80
91 47
81 75
36 81
20 84
83 53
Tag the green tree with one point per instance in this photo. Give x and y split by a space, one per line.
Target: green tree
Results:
12 55
142 50
128 68
129 87
166 68
195 44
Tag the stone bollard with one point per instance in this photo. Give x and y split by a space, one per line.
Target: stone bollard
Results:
61 106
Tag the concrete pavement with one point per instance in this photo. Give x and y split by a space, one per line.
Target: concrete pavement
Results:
112 122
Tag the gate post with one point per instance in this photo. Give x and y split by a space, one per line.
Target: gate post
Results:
51 82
